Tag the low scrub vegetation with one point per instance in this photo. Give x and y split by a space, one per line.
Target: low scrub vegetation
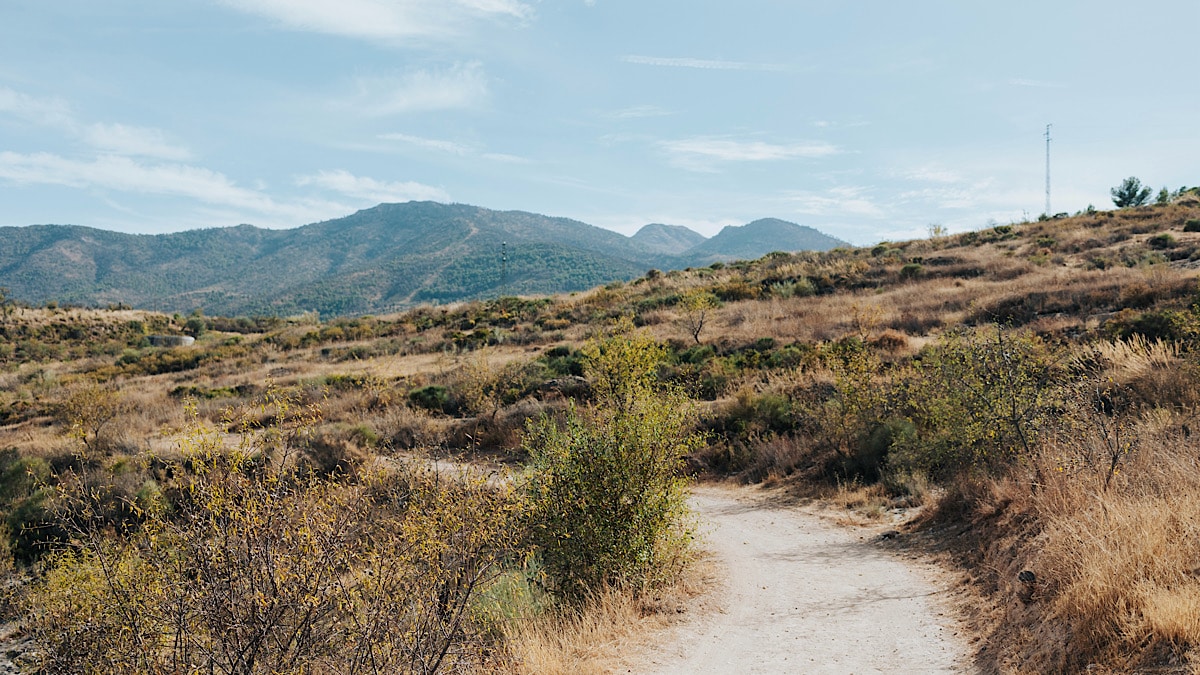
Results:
440 489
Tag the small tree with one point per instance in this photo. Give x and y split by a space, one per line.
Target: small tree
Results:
696 306
606 496
1130 192
91 410
1164 197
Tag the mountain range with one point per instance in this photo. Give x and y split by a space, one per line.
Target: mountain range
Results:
379 259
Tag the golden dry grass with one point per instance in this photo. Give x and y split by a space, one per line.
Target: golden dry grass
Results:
608 632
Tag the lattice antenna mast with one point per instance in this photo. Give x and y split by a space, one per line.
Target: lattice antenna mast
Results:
1048 212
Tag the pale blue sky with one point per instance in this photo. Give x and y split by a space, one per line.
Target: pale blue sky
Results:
869 120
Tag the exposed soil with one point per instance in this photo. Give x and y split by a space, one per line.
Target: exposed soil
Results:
803 595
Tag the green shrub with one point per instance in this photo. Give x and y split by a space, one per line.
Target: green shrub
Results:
562 361
1164 240
976 400
432 397
1192 225
911 271
606 497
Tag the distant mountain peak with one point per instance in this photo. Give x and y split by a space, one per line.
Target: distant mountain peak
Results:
667 239
760 237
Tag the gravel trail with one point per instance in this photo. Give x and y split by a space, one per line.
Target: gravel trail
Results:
802 595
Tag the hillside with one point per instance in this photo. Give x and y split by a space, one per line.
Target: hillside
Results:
380 259
1031 387
756 239
668 239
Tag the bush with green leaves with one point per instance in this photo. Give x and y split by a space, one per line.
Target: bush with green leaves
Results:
607 499
432 397
977 400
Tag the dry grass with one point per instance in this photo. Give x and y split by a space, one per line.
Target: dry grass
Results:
581 642
1121 561
1115 554
605 634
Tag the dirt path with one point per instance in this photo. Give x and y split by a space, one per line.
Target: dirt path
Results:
803 595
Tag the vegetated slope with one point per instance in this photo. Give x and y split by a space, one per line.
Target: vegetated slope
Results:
392 255
380 259
668 239
889 368
756 239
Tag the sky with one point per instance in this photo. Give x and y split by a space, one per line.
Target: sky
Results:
869 120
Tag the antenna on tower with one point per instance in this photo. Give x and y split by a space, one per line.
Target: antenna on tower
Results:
1048 212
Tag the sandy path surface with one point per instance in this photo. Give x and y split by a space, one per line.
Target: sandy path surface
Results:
803 595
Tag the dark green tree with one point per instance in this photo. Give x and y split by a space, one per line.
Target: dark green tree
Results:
1130 192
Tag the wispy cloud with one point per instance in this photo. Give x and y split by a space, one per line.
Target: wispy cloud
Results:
386 20
640 111
703 64
123 139
945 197
700 154
454 148
370 189
428 143
463 86
839 201
118 139
506 158
125 174
42 111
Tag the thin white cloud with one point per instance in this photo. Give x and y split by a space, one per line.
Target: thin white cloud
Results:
428 143
703 64
42 111
123 139
700 154
463 86
120 139
640 111
370 189
506 158
946 197
838 201
125 174
386 20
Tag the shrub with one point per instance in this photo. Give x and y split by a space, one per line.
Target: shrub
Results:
911 271
976 400
1163 240
606 498
259 569
1192 225
733 291
431 397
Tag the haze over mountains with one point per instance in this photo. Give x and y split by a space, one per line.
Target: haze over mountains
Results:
383 258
